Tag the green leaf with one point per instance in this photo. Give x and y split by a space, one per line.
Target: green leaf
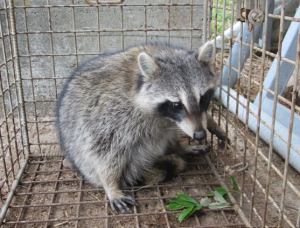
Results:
194 209
175 206
210 193
188 198
217 205
222 191
188 212
234 184
182 202
205 201
228 199
185 214
219 197
198 207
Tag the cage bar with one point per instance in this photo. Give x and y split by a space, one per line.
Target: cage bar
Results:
36 58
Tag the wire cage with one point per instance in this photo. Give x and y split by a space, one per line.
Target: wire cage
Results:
257 105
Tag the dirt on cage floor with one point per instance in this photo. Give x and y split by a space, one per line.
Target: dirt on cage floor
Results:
51 195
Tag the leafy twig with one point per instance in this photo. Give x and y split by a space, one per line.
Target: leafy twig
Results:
191 205
184 201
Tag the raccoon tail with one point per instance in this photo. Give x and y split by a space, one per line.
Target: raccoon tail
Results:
164 169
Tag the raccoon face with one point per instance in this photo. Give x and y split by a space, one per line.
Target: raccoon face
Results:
194 122
190 116
178 86
177 110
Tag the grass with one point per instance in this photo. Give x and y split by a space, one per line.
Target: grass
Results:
217 20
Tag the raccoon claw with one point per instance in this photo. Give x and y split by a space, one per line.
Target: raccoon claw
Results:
201 149
197 150
121 205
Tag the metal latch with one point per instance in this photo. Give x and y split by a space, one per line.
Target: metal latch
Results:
252 12
233 169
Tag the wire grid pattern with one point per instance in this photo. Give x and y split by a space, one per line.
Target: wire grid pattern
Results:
52 49
12 151
50 46
271 186
58 196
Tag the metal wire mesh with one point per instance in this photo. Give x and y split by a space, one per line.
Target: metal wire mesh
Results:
59 196
250 83
43 41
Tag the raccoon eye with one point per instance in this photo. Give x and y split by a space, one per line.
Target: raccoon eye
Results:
177 106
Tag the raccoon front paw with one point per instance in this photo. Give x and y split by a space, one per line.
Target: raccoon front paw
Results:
214 128
198 150
121 205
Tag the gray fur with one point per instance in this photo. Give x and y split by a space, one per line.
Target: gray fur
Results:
106 115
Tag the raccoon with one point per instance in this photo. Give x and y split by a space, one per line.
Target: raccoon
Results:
118 115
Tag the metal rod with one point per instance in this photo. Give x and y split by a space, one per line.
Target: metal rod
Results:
232 199
31 81
124 216
54 195
298 218
9 87
247 111
158 189
12 192
127 4
99 201
259 110
79 200
204 35
271 145
28 195
18 77
288 150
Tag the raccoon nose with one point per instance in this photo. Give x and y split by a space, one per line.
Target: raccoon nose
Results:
199 135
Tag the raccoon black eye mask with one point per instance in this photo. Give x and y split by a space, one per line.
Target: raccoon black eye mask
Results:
176 110
205 99
117 126
172 110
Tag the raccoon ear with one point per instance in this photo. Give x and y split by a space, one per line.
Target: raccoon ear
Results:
147 65
207 53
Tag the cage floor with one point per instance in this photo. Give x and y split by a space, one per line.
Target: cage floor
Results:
50 195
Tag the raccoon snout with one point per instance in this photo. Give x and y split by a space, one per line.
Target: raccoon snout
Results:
200 135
